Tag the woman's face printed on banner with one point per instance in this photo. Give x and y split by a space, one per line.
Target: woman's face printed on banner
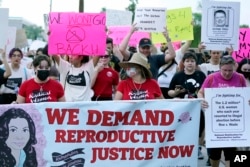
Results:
19 134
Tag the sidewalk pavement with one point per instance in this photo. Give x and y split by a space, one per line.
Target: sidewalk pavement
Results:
202 162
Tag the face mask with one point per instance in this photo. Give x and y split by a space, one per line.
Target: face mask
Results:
131 71
42 74
246 74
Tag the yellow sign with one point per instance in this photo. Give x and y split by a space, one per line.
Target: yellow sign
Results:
179 24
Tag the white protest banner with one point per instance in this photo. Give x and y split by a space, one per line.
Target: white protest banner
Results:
124 133
11 39
220 25
227 118
150 19
4 16
36 44
118 18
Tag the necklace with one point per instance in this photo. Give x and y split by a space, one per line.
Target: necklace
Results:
41 85
137 89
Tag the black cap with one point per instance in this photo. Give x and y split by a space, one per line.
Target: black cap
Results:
145 42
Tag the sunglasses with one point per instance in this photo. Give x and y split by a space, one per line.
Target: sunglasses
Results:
145 47
106 56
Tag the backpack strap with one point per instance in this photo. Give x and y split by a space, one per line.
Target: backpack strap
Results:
165 69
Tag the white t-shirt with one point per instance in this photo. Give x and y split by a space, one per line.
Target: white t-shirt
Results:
178 56
76 81
165 78
16 79
208 68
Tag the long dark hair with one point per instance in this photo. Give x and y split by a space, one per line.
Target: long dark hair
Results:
241 63
6 158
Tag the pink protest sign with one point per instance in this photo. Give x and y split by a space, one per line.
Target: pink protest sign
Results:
244 45
77 33
118 33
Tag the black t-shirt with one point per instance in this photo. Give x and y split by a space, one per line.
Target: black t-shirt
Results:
192 83
114 63
2 79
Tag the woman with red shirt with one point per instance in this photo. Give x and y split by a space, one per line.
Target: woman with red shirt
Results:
105 79
41 88
139 85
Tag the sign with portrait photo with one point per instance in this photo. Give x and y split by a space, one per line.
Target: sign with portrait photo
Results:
220 24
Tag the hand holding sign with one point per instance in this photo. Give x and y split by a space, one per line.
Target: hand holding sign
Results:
166 34
133 28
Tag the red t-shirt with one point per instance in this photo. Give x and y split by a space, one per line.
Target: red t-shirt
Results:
133 91
34 92
104 82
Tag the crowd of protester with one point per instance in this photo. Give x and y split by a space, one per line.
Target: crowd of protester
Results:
123 73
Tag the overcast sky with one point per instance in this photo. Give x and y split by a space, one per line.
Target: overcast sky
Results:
33 10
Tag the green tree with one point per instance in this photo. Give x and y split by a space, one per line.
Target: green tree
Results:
131 7
103 9
244 26
196 29
33 32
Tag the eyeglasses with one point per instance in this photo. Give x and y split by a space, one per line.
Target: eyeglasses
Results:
106 56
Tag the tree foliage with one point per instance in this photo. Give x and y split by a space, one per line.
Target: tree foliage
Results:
33 32
244 26
131 7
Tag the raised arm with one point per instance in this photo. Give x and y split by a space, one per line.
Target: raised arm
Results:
186 46
170 53
57 59
7 72
124 44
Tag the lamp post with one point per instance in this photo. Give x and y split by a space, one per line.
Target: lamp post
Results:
50 6
81 5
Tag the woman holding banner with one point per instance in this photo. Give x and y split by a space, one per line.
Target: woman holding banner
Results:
226 77
139 85
76 76
40 88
